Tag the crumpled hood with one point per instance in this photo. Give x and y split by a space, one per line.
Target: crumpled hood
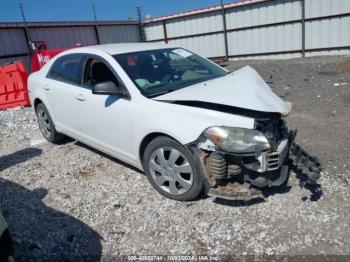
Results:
243 88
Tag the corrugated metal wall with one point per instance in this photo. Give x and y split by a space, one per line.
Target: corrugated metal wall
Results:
330 32
64 37
269 39
198 24
14 46
208 46
12 42
119 34
268 29
154 31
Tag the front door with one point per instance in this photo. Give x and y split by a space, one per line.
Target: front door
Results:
105 120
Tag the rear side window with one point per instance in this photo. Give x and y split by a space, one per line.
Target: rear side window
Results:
67 69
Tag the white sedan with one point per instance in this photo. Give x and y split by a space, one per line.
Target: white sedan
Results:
191 125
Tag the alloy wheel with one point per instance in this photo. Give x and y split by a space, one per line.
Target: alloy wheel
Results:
171 170
44 122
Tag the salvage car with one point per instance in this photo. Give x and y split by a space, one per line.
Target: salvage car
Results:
189 124
6 250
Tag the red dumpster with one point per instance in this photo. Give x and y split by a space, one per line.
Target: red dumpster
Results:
13 85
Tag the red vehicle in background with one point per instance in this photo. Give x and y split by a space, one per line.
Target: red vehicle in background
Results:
42 55
13 76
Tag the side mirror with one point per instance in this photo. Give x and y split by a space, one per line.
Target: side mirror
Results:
108 88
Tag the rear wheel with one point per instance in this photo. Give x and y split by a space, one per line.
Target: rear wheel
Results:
46 124
172 169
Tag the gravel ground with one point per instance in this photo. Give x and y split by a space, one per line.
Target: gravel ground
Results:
70 200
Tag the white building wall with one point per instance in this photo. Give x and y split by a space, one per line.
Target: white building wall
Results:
192 25
263 13
208 46
317 8
246 38
154 31
265 40
331 32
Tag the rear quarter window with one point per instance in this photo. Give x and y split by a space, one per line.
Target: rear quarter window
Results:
67 69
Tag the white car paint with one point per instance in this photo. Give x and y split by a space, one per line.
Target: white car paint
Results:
119 128
243 88
62 105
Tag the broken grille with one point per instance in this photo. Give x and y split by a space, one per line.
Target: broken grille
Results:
273 161
276 158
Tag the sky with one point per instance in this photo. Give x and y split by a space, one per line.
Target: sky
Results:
81 10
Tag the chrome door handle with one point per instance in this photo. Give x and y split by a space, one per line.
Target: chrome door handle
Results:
47 87
81 97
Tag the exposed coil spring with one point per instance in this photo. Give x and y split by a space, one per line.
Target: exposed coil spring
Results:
217 167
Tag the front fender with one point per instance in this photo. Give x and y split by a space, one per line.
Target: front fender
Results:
183 123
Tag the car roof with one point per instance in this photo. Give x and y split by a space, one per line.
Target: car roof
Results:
121 48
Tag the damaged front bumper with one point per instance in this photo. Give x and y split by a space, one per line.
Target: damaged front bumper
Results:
243 176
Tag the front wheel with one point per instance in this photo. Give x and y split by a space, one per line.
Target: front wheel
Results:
172 169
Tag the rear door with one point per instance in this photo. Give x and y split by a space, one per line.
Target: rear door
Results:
104 119
61 88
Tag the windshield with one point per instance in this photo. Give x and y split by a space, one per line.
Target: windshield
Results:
160 71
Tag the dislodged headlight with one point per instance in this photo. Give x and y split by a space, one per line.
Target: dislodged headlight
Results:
237 140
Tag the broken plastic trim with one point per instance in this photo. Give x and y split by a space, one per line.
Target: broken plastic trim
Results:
220 175
309 165
232 190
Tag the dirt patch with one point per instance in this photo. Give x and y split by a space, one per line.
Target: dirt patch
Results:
90 171
344 66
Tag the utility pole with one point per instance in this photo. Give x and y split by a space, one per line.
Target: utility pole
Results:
25 27
139 16
26 35
96 24
225 28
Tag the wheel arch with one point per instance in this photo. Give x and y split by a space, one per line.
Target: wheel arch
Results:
147 139
37 101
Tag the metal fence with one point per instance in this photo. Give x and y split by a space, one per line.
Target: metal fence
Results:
15 37
247 29
259 29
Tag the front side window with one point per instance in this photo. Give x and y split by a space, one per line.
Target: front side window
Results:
97 72
160 71
67 69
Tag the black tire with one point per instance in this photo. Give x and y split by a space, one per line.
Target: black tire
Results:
53 136
196 187
6 249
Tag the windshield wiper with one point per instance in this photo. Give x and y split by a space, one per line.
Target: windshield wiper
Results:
160 93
